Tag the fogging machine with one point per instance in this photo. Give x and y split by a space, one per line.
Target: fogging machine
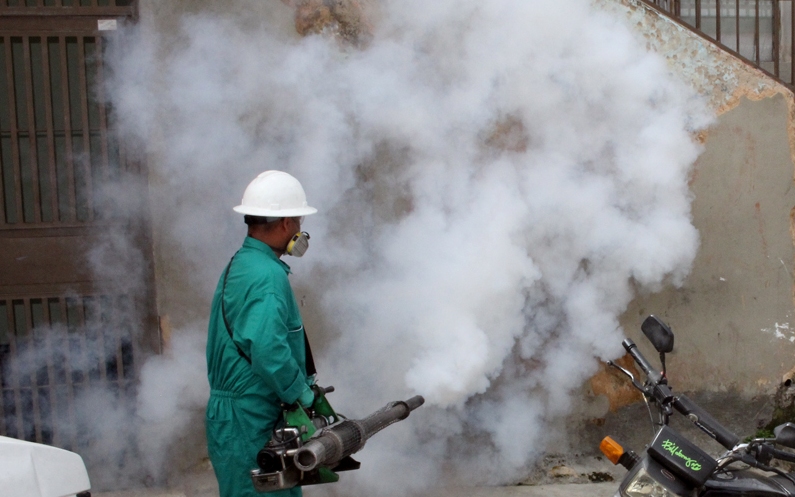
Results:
310 446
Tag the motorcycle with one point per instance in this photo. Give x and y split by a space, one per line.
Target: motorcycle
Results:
672 465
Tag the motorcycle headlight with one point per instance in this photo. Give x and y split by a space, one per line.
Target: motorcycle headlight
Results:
643 485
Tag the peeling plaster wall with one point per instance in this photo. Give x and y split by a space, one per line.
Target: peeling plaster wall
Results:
734 314
734 317
716 74
740 293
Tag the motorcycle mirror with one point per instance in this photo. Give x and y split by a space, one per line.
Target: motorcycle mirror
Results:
658 333
785 435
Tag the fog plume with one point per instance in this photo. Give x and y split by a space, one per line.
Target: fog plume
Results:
493 180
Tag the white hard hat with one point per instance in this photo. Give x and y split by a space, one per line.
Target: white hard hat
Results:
274 194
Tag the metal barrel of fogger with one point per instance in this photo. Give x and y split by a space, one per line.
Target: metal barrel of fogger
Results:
349 436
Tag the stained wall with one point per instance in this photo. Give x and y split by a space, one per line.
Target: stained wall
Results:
733 316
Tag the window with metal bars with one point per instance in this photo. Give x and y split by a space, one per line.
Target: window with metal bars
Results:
53 349
55 151
67 330
65 3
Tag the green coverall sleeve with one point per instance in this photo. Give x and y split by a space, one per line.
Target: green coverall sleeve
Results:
263 335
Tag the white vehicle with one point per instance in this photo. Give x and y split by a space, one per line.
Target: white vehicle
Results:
34 470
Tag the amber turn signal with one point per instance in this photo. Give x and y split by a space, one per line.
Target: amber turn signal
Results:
611 449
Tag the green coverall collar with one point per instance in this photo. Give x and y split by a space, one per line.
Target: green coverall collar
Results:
255 244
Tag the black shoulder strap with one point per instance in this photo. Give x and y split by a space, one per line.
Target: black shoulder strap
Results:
309 360
223 311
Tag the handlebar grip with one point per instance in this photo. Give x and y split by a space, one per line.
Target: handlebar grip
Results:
707 423
783 455
647 368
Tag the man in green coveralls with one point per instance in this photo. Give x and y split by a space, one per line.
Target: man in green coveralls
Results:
256 358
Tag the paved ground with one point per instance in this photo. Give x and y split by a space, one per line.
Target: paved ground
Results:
202 484
550 490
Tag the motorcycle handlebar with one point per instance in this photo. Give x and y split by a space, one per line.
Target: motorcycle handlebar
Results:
707 423
647 368
700 417
783 455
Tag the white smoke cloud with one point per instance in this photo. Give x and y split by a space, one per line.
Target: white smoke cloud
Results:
171 388
491 177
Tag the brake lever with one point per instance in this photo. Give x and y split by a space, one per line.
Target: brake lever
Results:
631 376
752 461
646 390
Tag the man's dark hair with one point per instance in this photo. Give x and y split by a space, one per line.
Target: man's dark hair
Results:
253 220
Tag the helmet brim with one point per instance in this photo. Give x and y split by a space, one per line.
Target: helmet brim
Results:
260 212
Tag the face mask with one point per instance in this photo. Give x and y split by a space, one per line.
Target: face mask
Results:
298 244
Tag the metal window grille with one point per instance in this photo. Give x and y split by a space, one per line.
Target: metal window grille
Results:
55 149
65 3
62 331
52 349
760 32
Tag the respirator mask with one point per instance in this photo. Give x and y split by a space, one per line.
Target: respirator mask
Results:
298 244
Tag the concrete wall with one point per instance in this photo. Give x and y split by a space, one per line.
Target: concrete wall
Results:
733 317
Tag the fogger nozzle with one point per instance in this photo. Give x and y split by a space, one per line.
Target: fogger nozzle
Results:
349 436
